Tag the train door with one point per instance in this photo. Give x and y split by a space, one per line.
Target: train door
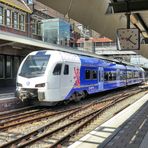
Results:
118 81
67 80
100 78
55 81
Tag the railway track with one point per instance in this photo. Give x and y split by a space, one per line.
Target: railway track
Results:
9 121
16 111
29 118
72 121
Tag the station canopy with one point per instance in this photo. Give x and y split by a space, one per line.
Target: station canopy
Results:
104 16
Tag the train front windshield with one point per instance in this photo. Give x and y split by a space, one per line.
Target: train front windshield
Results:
34 66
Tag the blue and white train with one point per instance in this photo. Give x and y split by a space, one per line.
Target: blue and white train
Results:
52 76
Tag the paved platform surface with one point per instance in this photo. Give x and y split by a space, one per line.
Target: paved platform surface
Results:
127 129
132 134
5 96
7 93
7 89
8 101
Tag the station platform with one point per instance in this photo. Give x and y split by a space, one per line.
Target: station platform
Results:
7 93
127 129
8 101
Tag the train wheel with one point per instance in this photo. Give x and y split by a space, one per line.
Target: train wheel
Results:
79 96
85 94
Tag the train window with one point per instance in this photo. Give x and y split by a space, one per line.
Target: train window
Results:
133 74
8 67
129 74
140 74
106 76
87 74
1 66
109 76
113 77
34 66
57 69
122 75
94 74
136 74
66 70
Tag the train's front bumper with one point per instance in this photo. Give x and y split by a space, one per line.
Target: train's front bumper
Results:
25 93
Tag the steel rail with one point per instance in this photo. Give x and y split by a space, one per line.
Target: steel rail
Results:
20 117
6 127
16 111
21 114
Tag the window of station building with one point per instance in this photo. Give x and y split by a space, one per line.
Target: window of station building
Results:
15 20
8 66
1 66
66 70
87 75
1 15
39 28
57 69
34 26
8 17
30 1
22 22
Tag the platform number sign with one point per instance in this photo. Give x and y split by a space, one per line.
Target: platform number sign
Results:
128 39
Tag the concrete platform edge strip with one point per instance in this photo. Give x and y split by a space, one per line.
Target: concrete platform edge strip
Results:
7 99
96 137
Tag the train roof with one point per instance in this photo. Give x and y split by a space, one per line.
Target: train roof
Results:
90 61
131 67
88 58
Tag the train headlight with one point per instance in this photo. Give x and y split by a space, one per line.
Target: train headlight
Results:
40 85
19 84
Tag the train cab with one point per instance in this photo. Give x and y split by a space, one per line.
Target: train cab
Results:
47 76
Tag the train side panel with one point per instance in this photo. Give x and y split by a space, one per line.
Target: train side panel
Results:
135 75
98 75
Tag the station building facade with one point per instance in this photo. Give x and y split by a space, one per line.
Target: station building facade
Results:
22 18
14 18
